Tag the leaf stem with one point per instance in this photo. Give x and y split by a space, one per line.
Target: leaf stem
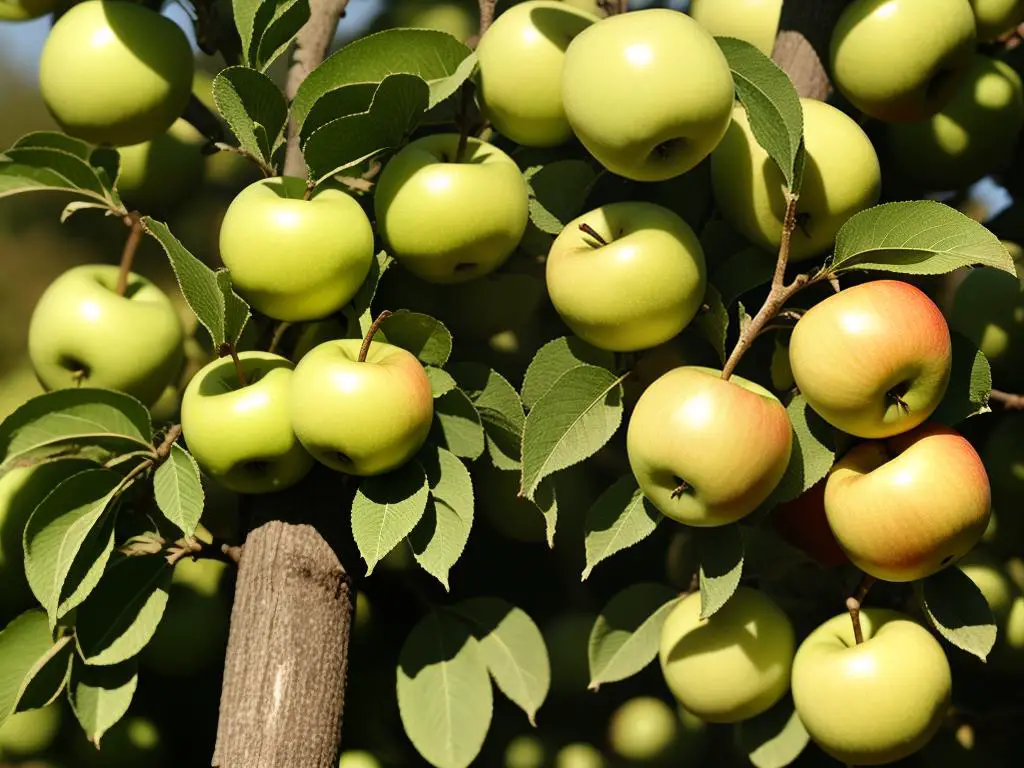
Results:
198 550
365 348
853 605
134 221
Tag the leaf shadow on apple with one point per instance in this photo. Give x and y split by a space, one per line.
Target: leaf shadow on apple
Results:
559 26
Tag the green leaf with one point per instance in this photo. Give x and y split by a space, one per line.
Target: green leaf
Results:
423 335
721 565
742 271
100 696
570 423
970 383
244 12
813 453
558 191
280 21
33 666
386 509
358 310
920 237
513 650
627 633
50 161
444 692
441 382
958 610
76 172
440 537
121 615
546 500
457 425
620 518
772 104
555 359
712 324
775 738
254 109
500 409
220 310
178 489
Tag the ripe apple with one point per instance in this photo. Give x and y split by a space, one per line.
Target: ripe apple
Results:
627 276
520 70
873 702
114 72
803 523
450 219
841 177
902 60
628 104
705 451
873 360
357 758
21 10
361 418
579 755
83 333
30 733
907 507
160 173
525 751
994 18
733 665
1003 454
756 21
295 259
241 435
643 730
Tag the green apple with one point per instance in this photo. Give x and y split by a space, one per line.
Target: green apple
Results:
83 334
296 259
241 434
902 60
873 360
450 219
705 451
455 18
627 276
114 72
357 758
973 135
627 102
17 385
30 733
756 21
994 18
803 523
519 80
990 577
361 417
579 755
525 752
643 730
907 507
873 702
841 177
160 173
1003 454
21 10
733 665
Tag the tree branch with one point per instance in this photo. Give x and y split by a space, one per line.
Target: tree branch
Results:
1009 401
801 48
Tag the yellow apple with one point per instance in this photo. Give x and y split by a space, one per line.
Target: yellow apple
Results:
21 10
644 730
525 752
756 21
30 733
996 17
579 755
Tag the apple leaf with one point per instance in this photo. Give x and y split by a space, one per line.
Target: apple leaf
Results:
278 22
620 518
721 565
712 321
919 237
121 615
441 382
742 271
423 335
570 423
440 536
49 161
500 409
958 610
772 103
545 498
512 648
254 108
244 12
627 633
773 739
555 359
970 383
100 696
178 488
813 454
558 191
386 509
457 425
444 691
357 312
341 102
33 666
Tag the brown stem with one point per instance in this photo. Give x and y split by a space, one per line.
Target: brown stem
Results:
589 230
1009 401
853 605
164 449
365 348
238 366
133 220
310 188
197 550
613 7
680 489
486 15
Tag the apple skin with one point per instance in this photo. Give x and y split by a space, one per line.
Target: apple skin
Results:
901 60
361 418
296 259
643 730
22 10
993 18
242 436
875 702
636 292
990 577
29 733
159 174
733 665
730 441
841 177
357 758
854 353
579 755
526 751
907 507
423 198
520 71
115 72
130 343
803 523
756 21
626 103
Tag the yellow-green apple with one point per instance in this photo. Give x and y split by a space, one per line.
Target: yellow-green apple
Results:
519 80
841 177
1003 454
21 10
626 102
706 451
423 197
756 21
579 755
908 506
874 702
160 173
1009 651
873 360
357 758
455 18
643 730
29 733
803 523
994 18
973 135
296 259
525 751
732 665
989 575
901 60
627 276
83 333
241 433
114 72
361 417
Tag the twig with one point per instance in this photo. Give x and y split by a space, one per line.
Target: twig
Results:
1009 401
164 449
134 221
854 603
486 16
365 348
198 550
279 331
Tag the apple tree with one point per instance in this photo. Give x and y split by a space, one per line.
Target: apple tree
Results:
690 302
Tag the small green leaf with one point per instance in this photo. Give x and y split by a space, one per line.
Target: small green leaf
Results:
457 425
441 382
386 509
423 335
245 99
100 696
620 518
500 409
812 456
958 610
970 383
440 537
721 565
773 739
555 359
178 489
33 666
713 323
558 191
278 22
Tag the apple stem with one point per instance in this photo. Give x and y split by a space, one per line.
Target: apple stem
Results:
365 348
613 7
134 221
590 231
310 188
854 603
680 489
1009 401
900 402
238 364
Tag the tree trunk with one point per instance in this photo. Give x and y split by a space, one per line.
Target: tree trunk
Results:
803 42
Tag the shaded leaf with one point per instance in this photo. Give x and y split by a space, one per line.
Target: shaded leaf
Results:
33 666
558 191
721 565
742 271
712 324
423 335
358 310
440 537
100 696
556 358
958 610
970 383
775 738
253 107
500 409
457 425
620 518
278 22
385 510
812 456
441 382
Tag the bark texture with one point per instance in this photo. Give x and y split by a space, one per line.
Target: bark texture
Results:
802 45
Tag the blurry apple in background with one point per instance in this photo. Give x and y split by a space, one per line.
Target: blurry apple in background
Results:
457 18
132 742
579 755
989 575
22 10
643 730
525 752
1003 455
803 523
30 733
756 21
357 758
158 174
17 384
994 18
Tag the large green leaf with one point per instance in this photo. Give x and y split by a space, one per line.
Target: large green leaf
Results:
775 738
50 161
33 666
254 108
100 696
558 191
279 22
457 425
386 509
440 537
178 489
555 359
620 518
958 610
424 336
500 409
